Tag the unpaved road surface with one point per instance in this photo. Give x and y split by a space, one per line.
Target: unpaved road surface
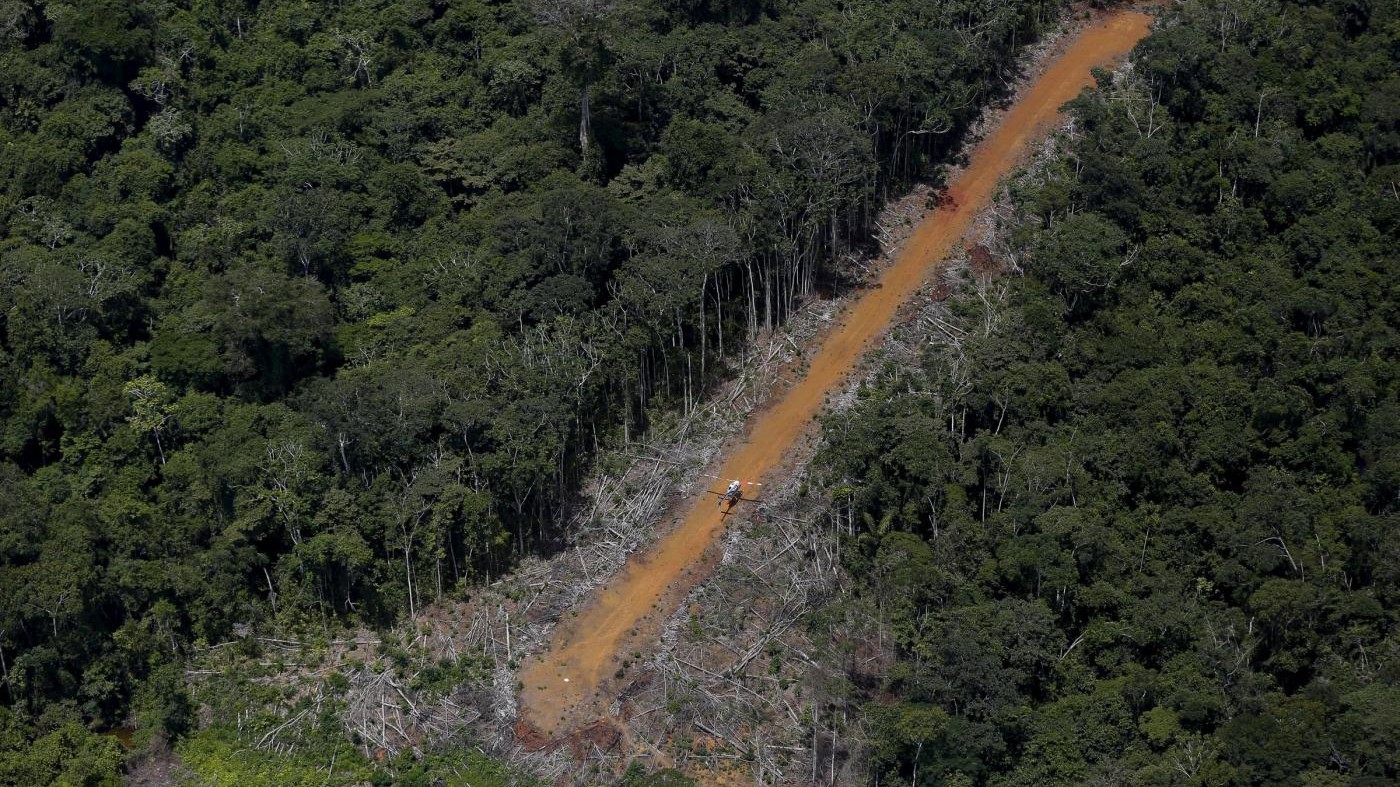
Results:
568 686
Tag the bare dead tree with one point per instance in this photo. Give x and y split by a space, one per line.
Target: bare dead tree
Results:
358 59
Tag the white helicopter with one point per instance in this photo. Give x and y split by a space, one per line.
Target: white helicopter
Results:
732 494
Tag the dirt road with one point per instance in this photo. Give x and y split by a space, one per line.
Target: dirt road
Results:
566 687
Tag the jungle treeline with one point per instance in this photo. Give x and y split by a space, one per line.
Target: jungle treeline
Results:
1134 519
311 313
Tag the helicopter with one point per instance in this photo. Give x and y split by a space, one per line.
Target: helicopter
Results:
732 494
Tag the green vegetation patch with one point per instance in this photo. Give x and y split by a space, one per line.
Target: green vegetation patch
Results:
1132 520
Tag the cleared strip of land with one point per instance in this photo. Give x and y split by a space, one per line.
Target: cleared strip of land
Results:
564 687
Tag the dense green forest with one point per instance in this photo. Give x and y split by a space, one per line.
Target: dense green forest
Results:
312 313
1134 519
